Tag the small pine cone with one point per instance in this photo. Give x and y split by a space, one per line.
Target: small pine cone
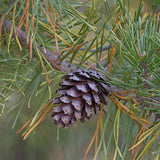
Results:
80 92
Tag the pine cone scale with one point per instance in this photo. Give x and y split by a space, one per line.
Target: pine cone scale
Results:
96 99
56 117
92 85
82 87
67 109
88 99
73 92
77 115
65 99
65 119
77 104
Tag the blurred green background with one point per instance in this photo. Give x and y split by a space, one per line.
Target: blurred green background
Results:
42 144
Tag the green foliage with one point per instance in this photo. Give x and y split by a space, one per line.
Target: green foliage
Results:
56 31
18 74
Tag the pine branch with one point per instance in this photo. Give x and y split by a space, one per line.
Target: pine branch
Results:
49 55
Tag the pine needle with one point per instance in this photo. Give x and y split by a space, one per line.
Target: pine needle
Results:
93 139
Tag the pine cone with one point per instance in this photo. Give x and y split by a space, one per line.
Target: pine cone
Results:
80 92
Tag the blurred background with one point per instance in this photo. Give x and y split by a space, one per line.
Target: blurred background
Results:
43 143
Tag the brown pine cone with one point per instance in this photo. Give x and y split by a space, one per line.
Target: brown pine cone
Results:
80 93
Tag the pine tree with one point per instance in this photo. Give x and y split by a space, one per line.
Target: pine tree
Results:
49 60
